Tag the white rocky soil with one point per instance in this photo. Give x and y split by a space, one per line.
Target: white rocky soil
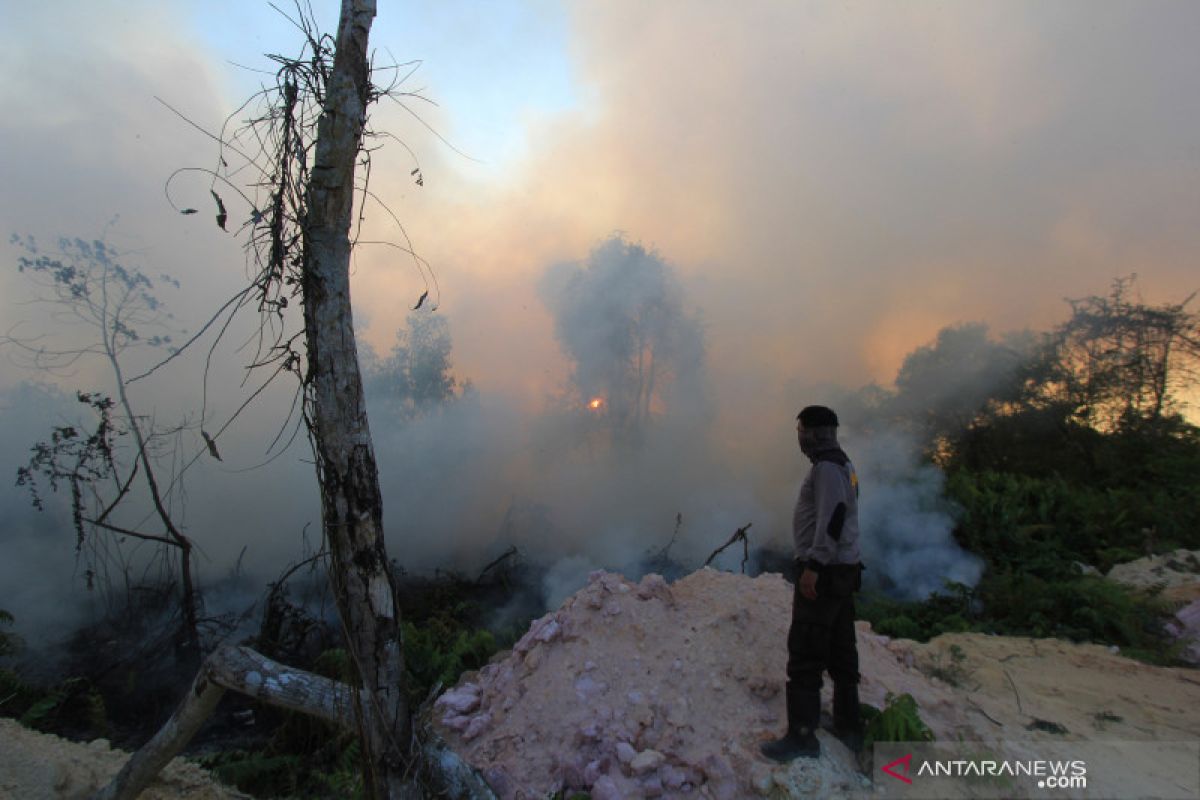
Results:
636 690
642 689
1176 576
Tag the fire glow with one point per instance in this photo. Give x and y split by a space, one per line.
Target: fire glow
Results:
596 404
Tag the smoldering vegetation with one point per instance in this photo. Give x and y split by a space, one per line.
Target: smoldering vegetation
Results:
989 469
598 475
622 466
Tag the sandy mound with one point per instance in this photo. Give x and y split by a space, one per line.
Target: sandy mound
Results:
1186 626
644 690
35 765
647 690
1177 574
638 690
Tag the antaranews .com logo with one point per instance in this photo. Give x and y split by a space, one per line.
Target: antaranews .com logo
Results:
1047 774
1038 769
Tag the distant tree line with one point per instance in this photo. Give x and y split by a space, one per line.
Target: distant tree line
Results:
1063 450
417 374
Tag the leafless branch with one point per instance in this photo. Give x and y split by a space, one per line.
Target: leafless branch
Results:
739 535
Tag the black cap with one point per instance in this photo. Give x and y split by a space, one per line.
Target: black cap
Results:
818 417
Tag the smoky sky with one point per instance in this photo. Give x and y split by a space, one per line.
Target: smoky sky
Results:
574 488
860 174
831 183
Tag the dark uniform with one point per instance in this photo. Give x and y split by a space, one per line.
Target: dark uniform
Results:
822 636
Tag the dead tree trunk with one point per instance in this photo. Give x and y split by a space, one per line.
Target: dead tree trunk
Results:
242 670
352 507
245 671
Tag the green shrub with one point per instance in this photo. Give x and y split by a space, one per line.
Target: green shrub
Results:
899 721
256 773
1012 602
1082 608
335 663
344 779
953 610
10 643
440 653
1041 524
289 766
74 706
15 695
900 627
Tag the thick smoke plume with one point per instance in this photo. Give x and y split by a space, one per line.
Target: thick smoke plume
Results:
637 353
596 476
624 466
907 523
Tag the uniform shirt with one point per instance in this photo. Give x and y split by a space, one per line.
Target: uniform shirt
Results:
825 522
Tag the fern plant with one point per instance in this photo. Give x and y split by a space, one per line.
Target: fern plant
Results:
899 721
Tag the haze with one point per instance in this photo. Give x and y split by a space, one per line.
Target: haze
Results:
830 183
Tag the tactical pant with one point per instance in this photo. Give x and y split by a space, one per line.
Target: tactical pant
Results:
822 638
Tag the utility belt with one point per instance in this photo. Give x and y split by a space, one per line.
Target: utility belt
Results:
835 580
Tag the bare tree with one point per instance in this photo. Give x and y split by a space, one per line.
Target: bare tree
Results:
352 505
301 242
85 283
1119 362
620 317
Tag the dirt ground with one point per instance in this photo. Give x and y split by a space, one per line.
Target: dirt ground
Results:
649 690
646 689
36 766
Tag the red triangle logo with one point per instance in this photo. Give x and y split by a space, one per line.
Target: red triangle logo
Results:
906 761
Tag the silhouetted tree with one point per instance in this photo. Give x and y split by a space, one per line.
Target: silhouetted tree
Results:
620 317
417 374
312 138
1092 394
110 484
1118 362
943 387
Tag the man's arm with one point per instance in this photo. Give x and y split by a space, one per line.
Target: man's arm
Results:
829 496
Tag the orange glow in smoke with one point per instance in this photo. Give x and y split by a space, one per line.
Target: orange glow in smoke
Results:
596 403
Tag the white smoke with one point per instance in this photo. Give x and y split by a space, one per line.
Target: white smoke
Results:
39 560
572 488
906 521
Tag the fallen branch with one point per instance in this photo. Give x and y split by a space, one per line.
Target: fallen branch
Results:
445 768
247 672
991 719
1017 694
509 553
740 533
242 670
664 554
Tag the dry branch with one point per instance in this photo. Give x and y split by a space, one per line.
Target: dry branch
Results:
739 534
507 554
1016 694
242 670
247 672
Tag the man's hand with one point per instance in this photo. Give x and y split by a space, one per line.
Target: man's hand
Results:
808 584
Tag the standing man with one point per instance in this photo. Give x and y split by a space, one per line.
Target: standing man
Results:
822 637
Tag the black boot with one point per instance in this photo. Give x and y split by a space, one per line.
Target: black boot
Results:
847 723
800 741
